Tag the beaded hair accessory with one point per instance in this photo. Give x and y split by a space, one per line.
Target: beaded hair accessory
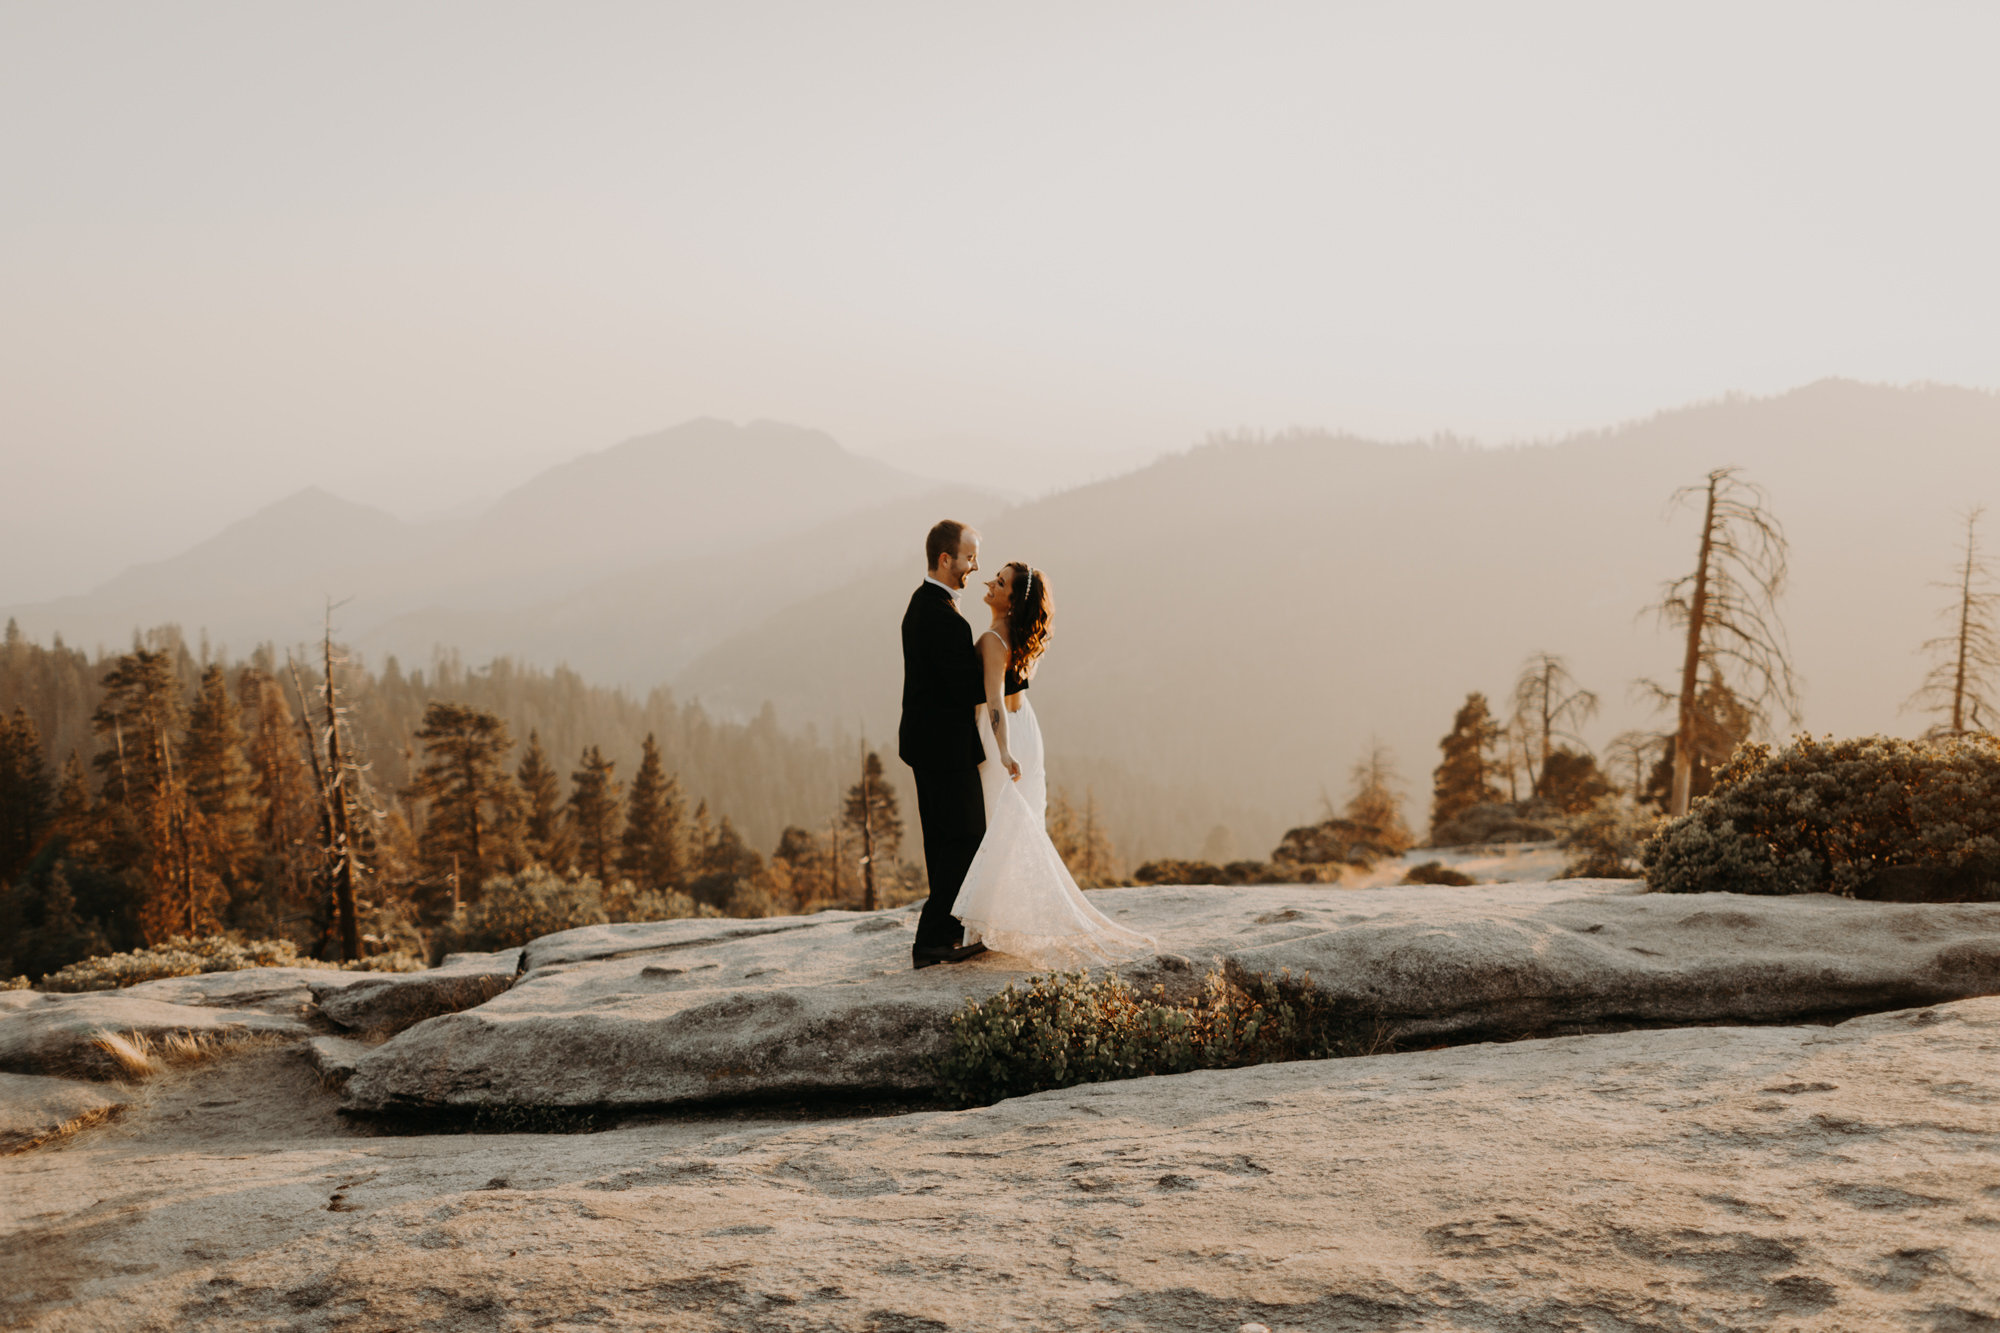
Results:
1029 586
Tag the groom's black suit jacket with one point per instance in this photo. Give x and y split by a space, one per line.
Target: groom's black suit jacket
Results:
943 684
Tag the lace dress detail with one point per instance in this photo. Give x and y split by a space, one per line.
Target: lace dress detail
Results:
1018 897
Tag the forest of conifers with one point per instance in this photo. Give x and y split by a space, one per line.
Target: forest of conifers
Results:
151 794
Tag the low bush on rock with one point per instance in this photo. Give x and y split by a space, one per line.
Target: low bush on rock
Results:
1167 870
1067 1029
185 957
1436 872
1832 816
1604 842
1503 821
513 909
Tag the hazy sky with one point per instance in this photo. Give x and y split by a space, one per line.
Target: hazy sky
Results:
413 251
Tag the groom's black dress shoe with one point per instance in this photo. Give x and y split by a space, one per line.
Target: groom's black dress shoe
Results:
944 953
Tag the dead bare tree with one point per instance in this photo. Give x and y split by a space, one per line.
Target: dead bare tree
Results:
336 803
1729 608
1637 751
1547 703
1967 657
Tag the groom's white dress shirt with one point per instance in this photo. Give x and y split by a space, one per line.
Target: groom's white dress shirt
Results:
949 591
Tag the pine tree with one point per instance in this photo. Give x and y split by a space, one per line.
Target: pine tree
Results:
724 869
1466 776
24 793
593 814
871 814
650 852
1375 805
468 791
1572 781
77 823
282 797
1079 838
137 722
804 857
546 835
220 780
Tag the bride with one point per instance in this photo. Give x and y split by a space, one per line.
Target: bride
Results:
1018 897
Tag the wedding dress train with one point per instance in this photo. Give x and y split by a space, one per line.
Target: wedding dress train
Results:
1018 897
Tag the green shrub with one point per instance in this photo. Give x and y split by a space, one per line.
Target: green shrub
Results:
1827 817
184 957
1166 870
1502 821
1604 842
1435 872
513 909
1067 1029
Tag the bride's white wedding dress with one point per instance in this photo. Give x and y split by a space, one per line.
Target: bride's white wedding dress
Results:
1018 897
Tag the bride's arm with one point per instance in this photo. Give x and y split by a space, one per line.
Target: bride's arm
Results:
993 656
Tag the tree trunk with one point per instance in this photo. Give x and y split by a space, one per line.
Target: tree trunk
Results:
1684 742
343 844
323 920
867 838
1964 636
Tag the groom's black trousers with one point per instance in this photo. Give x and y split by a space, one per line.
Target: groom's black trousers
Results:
952 809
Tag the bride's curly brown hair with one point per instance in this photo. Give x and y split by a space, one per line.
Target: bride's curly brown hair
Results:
1028 617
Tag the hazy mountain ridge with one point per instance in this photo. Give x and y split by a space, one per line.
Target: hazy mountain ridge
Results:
1236 620
700 491
1242 617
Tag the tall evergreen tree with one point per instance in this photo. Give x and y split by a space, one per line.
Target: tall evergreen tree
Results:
871 815
724 868
1467 775
284 801
220 780
650 852
1375 804
77 823
593 814
468 791
24 792
137 723
543 829
1080 839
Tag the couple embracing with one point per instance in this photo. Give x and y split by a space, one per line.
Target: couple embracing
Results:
970 737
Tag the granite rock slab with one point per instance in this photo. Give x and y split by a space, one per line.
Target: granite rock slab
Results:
56 1034
694 1011
1754 1178
381 1002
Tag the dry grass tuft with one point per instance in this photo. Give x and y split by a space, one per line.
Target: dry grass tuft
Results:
139 1057
130 1052
10 1145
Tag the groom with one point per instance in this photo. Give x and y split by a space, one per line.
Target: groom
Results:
943 687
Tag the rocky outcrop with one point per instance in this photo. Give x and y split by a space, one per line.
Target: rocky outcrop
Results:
333 1058
58 1034
704 1010
385 1002
1764 1178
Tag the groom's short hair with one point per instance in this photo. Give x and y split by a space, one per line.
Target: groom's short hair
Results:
943 540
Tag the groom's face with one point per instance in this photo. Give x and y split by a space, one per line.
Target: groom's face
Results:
953 569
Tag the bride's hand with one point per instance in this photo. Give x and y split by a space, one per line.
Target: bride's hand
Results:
1013 769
